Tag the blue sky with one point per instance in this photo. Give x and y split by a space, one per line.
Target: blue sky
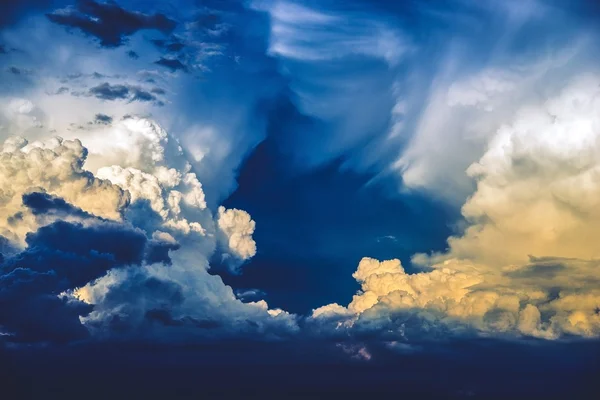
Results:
366 184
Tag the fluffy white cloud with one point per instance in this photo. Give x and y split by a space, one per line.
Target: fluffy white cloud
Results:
55 166
138 155
158 172
236 228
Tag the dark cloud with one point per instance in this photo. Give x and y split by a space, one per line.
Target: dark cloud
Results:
103 119
171 63
80 253
158 252
133 54
40 203
58 257
15 218
134 296
106 91
108 22
18 71
140 94
61 256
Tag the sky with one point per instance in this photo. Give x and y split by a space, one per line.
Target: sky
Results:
299 199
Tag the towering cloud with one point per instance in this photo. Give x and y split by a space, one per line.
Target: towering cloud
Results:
126 250
527 264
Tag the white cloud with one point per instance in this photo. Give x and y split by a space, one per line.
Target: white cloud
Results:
236 228
154 169
302 33
55 166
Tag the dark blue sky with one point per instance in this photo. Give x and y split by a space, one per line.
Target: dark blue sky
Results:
313 227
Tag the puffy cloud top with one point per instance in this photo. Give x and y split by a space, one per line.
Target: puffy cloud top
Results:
56 166
237 228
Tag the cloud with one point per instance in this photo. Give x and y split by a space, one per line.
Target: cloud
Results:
536 186
108 22
248 294
107 91
536 183
340 64
40 203
103 119
60 256
57 167
122 252
171 63
302 33
349 82
236 228
18 71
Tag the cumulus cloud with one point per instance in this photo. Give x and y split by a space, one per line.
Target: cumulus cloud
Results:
123 233
56 166
527 264
236 228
